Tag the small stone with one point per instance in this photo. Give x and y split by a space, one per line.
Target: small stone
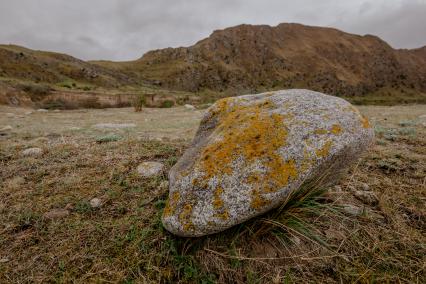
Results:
4 260
364 186
42 110
352 209
338 188
69 206
114 125
368 197
56 214
164 185
28 112
32 152
57 110
189 107
150 169
95 202
7 128
10 115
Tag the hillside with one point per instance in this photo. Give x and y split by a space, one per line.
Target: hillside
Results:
253 58
54 68
244 59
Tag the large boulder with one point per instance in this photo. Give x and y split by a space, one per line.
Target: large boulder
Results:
251 152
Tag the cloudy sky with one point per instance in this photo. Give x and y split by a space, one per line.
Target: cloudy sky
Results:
125 29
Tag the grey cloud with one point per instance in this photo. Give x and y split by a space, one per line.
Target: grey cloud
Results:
125 29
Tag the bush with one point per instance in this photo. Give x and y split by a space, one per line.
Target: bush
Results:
139 102
167 104
35 91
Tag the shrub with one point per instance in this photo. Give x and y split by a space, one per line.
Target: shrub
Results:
167 104
138 102
35 91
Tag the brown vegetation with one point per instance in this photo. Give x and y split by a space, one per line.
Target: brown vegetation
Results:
313 239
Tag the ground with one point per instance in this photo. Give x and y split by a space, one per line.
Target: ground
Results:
123 240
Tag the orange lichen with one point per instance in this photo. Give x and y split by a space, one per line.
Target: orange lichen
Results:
255 134
185 217
365 123
224 215
320 131
217 200
325 150
171 204
336 129
257 201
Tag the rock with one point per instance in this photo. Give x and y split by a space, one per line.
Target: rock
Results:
368 197
42 110
56 214
364 186
352 209
7 128
4 260
10 115
338 188
251 151
56 110
28 112
32 152
114 125
189 107
95 202
150 169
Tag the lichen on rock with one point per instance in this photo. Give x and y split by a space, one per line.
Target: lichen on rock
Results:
251 151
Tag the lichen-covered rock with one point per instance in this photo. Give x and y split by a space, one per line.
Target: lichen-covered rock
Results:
251 151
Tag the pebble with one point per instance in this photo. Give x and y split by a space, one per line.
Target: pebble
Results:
6 128
150 169
368 197
114 125
42 110
95 202
189 107
32 152
56 214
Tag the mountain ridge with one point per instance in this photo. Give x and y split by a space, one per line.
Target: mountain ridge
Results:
244 59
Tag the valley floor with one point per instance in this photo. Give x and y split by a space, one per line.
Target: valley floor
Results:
94 154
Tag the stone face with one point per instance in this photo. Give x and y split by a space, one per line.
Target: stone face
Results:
150 169
251 151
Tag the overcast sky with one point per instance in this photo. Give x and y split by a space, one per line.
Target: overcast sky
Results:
125 29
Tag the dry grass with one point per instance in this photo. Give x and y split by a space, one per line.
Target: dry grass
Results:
123 241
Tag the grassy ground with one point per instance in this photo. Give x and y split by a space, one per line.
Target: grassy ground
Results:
123 240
